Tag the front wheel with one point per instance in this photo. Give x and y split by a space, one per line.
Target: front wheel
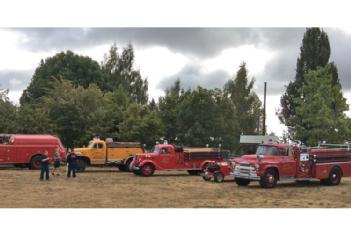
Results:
242 182
147 170
218 177
269 179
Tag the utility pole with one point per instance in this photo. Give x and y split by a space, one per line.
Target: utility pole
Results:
264 108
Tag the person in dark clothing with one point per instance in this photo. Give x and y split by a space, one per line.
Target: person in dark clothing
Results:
72 164
44 167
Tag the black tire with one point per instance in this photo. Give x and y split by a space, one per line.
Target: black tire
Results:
218 177
193 172
137 172
147 170
122 167
81 164
35 163
269 179
242 182
334 178
206 178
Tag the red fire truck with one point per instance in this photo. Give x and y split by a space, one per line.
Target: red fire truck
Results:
27 150
273 162
170 157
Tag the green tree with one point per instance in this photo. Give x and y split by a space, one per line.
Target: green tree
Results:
245 105
8 114
199 118
142 124
80 70
314 52
77 113
315 119
34 119
168 106
119 72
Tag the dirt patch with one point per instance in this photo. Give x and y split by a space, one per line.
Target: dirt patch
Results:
107 187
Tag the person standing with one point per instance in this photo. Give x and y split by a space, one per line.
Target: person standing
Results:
57 163
44 166
72 163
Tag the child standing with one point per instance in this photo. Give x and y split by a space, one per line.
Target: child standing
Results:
57 163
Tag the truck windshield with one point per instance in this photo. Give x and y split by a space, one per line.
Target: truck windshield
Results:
91 144
264 149
156 150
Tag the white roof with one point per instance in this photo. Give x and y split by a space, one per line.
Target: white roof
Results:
258 139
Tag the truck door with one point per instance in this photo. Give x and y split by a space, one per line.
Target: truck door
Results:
3 153
99 153
167 158
288 166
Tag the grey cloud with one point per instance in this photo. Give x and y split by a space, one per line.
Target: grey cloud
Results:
15 80
191 76
202 42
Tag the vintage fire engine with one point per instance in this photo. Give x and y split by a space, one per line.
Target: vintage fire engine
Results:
278 162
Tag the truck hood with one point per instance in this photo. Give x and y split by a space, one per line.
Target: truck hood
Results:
252 159
80 150
147 155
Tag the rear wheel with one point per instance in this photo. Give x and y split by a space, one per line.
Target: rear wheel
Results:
242 182
206 178
147 170
218 177
269 179
35 163
334 177
81 164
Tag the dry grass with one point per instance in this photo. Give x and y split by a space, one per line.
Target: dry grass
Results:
110 188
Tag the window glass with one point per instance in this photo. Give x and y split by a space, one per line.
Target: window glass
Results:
165 150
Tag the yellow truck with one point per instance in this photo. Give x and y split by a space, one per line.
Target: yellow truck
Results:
107 153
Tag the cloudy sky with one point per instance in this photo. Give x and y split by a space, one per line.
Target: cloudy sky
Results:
197 56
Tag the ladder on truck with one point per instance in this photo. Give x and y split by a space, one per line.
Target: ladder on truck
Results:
333 146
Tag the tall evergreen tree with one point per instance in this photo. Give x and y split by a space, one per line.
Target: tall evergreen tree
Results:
246 104
314 52
119 72
315 119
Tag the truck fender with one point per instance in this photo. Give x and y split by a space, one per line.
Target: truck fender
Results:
266 167
87 159
130 158
149 162
206 163
338 168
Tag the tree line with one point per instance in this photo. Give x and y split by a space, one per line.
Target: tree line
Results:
76 98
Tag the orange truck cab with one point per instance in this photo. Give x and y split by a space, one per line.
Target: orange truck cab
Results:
107 153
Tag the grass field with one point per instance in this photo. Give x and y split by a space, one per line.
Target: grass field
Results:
107 187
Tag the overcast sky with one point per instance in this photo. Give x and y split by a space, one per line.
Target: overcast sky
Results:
197 56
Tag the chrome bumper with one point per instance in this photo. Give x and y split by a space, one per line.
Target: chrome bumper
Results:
245 172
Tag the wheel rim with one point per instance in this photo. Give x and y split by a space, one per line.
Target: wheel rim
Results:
334 177
147 170
270 178
37 163
220 177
